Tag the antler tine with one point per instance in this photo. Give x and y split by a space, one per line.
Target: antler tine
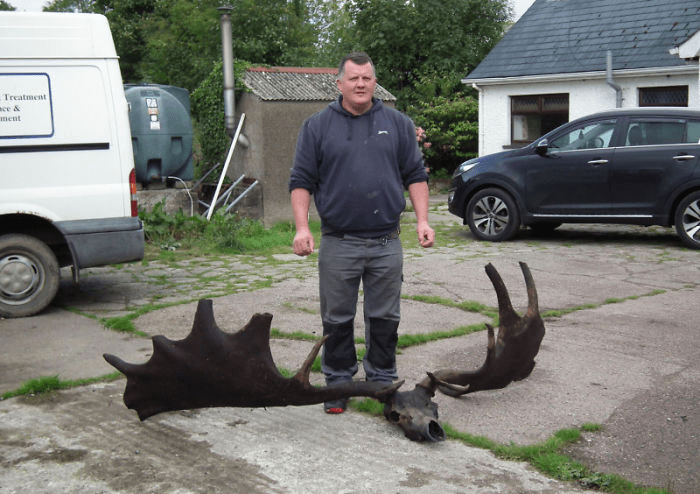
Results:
506 313
532 303
304 372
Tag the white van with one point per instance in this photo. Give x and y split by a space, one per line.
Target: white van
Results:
67 179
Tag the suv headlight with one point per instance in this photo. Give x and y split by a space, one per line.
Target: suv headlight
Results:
464 167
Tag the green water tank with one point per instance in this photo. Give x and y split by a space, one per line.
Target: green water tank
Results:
161 132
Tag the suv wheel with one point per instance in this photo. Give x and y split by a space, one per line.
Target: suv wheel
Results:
492 215
29 275
687 220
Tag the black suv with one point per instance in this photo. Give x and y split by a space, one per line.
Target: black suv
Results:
627 166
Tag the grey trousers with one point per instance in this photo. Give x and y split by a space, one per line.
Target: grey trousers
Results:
342 264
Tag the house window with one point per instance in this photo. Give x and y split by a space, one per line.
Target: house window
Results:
535 115
663 96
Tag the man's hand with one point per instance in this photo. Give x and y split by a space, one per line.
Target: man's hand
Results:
303 243
426 235
303 240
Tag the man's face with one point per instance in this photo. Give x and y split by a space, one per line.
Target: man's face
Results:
357 87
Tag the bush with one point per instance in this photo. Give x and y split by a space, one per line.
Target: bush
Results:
452 129
207 105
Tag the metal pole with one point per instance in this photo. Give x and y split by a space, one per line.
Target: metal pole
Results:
227 49
238 199
226 165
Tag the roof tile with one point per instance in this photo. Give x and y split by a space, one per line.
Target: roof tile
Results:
572 36
298 84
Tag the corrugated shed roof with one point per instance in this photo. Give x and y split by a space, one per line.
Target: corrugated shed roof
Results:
298 84
570 36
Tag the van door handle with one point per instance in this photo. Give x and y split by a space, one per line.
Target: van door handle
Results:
597 162
684 157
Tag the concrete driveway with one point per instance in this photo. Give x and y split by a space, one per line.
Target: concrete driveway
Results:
622 352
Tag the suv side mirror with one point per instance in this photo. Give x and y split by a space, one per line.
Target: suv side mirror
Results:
542 147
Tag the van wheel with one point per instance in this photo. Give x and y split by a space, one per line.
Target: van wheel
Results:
687 220
29 275
492 215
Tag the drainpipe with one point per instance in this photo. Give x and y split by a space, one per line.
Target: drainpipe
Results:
611 81
481 122
229 86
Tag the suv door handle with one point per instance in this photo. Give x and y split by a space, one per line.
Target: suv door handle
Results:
684 157
597 162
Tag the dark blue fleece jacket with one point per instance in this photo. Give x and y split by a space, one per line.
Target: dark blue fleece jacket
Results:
357 167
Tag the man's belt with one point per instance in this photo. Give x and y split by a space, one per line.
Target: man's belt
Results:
383 239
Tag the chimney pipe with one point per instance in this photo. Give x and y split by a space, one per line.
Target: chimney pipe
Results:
227 48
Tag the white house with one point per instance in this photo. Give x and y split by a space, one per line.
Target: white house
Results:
564 59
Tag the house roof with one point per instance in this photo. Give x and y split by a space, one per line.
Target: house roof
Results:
572 36
298 84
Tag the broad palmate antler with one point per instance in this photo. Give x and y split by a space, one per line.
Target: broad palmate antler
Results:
509 358
211 368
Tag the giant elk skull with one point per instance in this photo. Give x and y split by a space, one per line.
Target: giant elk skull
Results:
211 368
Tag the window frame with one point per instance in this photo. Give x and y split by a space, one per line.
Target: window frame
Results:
540 112
657 93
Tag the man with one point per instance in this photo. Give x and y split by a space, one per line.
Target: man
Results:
356 157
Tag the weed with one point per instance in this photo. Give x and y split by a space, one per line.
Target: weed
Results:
223 233
121 324
47 384
547 458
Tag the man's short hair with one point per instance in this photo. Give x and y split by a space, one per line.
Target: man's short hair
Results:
356 57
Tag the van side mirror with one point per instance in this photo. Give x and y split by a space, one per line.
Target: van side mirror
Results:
542 147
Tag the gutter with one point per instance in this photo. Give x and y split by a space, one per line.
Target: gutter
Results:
578 76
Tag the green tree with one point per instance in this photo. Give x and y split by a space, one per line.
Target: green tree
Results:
336 34
5 6
129 21
408 40
71 6
272 32
182 40
422 49
451 127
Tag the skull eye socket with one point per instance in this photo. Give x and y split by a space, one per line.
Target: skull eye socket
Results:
394 417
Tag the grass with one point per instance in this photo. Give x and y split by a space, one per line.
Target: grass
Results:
223 233
547 457
47 384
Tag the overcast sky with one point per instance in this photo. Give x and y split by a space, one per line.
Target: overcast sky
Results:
28 5
519 6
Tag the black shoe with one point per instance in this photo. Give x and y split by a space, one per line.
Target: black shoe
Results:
335 407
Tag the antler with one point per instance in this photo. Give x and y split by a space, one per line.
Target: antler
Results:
211 368
510 358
